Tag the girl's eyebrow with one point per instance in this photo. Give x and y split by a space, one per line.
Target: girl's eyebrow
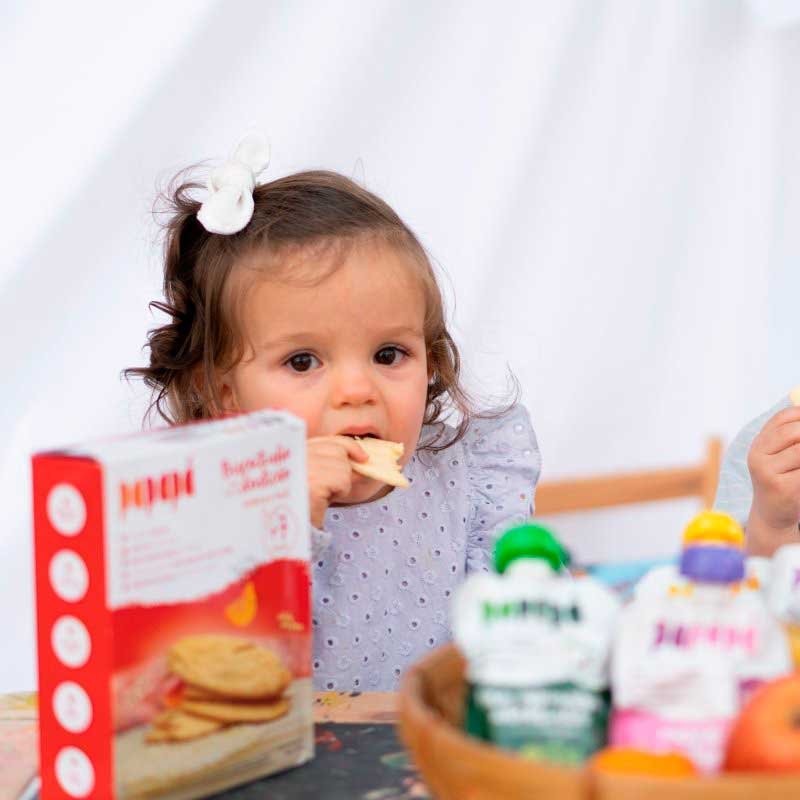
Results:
400 330
301 337
305 337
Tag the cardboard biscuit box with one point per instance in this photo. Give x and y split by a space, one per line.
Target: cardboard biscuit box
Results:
173 609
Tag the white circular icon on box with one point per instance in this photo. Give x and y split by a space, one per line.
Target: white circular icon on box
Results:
66 509
72 707
68 576
74 772
71 641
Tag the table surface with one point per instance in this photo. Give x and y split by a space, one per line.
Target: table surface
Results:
357 753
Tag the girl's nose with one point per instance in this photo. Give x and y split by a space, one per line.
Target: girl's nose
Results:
353 386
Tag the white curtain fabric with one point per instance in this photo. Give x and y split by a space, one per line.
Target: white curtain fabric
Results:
611 188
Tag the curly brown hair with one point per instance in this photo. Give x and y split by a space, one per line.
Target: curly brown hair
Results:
306 209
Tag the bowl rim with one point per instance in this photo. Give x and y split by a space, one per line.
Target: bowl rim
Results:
415 714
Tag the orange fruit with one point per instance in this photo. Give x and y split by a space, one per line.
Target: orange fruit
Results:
766 735
630 761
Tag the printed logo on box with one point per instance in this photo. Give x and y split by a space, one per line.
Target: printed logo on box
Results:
74 772
66 509
69 577
71 641
72 707
280 530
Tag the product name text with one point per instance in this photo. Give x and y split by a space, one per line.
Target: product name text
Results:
257 472
557 615
722 637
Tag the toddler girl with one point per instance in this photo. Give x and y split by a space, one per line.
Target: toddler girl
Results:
310 294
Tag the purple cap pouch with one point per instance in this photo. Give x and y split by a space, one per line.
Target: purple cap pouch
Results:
712 564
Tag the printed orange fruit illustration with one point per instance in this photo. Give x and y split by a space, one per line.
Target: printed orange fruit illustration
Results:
242 611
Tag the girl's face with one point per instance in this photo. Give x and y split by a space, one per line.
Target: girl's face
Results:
346 354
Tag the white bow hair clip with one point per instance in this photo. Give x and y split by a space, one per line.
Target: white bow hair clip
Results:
229 206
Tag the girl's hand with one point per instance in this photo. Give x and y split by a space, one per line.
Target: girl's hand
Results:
774 464
330 475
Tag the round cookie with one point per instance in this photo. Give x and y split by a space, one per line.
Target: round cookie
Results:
176 726
190 692
236 712
229 666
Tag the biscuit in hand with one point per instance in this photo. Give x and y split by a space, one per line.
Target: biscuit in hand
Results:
383 464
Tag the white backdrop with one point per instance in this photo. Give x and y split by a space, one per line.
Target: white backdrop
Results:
611 187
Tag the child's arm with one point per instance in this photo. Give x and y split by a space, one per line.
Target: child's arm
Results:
774 464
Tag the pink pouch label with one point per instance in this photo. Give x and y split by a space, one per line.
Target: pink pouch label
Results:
703 741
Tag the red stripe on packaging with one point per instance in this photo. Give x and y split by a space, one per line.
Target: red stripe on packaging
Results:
74 628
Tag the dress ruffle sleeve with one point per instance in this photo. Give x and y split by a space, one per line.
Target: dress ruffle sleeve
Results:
503 466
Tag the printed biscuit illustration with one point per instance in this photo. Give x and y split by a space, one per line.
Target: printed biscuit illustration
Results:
229 666
236 712
176 726
228 680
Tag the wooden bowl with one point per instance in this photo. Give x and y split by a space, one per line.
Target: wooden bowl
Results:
458 767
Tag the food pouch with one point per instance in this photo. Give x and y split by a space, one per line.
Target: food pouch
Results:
783 587
692 646
537 645
782 592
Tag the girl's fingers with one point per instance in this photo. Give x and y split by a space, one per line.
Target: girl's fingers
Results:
332 473
783 417
352 447
786 461
344 446
780 438
342 480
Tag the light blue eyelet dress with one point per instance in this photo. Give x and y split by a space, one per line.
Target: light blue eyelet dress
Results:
384 572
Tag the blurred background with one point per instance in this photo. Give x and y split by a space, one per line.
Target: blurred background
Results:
611 189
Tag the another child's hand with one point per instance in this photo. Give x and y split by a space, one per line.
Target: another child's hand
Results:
330 475
774 463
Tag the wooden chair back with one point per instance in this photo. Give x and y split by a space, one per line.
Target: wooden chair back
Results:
603 491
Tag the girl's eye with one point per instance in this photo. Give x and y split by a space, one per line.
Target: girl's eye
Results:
388 356
302 362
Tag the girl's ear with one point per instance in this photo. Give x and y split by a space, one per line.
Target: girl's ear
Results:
227 396
223 398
